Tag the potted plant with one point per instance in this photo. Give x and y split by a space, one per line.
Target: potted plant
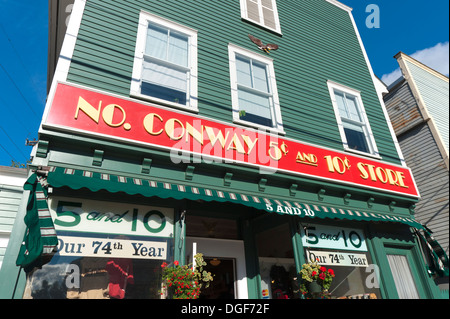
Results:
184 282
315 280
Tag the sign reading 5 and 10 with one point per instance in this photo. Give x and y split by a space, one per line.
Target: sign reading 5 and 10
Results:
339 238
80 215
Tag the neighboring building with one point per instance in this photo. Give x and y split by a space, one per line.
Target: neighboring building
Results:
418 105
167 132
12 180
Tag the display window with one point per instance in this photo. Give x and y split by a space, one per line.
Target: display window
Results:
343 250
105 251
277 264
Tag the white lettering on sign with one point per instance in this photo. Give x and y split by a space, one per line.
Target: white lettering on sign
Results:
111 248
334 258
290 210
320 236
80 215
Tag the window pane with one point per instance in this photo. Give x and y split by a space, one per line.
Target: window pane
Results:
164 83
260 78
163 93
178 49
356 139
96 278
156 45
164 76
340 100
352 108
277 264
403 278
257 108
244 75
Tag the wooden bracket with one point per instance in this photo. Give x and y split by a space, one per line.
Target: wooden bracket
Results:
146 165
262 184
189 172
98 158
293 189
227 179
320 194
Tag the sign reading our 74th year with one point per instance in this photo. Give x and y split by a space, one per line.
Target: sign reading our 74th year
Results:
337 258
111 248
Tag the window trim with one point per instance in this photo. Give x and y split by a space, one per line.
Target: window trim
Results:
276 110
135 88
373 149
244 15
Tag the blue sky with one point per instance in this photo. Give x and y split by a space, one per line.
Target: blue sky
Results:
418 28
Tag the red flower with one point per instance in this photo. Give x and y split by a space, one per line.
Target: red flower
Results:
322 276
331 272
164 264
323 269
176 263
314 273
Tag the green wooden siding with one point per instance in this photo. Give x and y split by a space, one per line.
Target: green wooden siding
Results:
318 44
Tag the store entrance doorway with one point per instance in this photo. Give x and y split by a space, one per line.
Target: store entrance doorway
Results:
223 285
229 272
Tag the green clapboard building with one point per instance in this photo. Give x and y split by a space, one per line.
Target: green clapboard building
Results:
249 131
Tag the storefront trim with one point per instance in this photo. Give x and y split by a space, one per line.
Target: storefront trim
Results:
77 179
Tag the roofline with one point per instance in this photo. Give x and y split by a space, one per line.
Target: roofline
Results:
340 5
420 64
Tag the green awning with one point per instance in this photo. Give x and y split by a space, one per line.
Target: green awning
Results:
40 239
438 259
94 181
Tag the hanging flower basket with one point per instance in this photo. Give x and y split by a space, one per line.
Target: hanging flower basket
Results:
313 287
315 280
184 282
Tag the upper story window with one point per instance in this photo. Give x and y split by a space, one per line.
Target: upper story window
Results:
262 12
165 63
352 120
254 90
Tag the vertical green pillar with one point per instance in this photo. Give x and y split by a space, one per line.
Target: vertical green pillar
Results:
251 261
180 236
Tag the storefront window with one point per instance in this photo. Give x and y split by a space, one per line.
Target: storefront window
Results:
105 277
105 250
95 278
277 264
344 250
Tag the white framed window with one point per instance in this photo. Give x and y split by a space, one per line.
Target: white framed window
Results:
165 63
261 12
254 90
352 120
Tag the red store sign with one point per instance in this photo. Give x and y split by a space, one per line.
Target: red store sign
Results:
89 112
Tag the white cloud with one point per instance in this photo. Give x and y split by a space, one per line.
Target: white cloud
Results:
390 78
436 57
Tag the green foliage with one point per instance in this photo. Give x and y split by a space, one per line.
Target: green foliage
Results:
185 282
313 272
